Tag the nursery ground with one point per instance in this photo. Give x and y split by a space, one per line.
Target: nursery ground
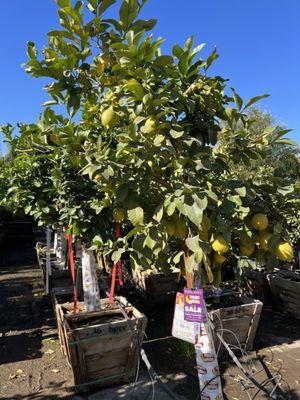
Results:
32 367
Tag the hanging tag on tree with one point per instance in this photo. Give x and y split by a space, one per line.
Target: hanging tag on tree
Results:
182 329
194 309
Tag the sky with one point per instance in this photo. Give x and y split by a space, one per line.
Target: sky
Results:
257 40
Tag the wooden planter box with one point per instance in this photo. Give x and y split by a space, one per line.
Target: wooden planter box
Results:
60 296
256 284
285 289
102 346
156 288
59 278
239 322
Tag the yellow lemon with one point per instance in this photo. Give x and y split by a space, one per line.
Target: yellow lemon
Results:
109 118
260 221
264 238
220 245
150 121
119 214
219 258
247 250
284 251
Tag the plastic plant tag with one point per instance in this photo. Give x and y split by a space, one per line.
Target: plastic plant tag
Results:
182 329
194 310
200 335
207 365
90 282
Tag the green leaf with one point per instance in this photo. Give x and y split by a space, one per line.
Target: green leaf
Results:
237 99
116 255
133 232
175 134
128 12
242 191
193 244
92 4
255 99
104 5
177 257
135 87
31 50
158 140
214 55
49 103
289 142
143 25
63 3
158 213
193 212
149 242
177 51
202 203
183 64
136 216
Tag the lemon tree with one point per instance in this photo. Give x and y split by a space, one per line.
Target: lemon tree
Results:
143 138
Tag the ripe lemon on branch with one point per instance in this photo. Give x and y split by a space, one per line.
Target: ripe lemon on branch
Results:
220 245
264 238
247 250
284 251
260 221
219 258
109 118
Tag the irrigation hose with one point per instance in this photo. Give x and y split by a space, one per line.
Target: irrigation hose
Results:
246 373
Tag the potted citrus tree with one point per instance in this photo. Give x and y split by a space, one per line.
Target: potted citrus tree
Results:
147 140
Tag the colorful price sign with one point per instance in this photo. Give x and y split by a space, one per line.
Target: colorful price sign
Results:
194 309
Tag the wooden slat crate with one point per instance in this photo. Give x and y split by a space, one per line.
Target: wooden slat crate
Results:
242 320
59 278
156 288
285 288
256 284
60 296
102 346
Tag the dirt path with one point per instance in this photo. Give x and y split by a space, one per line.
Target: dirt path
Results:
31 363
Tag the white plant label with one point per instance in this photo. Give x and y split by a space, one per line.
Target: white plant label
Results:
90 282
200 335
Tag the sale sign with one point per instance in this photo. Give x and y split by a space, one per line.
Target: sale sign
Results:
194 309
182 329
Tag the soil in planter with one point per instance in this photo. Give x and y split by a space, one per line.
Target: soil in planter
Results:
225 301
84 322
